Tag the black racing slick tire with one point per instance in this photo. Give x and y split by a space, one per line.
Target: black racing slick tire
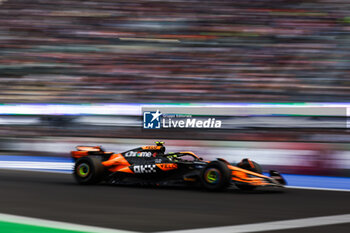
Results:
89 170
249 165
216 176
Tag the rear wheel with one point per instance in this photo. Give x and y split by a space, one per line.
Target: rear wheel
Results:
215 176
89 170
249 165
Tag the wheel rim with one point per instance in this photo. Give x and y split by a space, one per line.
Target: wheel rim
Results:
212 176
83 170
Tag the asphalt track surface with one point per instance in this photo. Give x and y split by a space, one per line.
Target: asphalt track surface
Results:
54 196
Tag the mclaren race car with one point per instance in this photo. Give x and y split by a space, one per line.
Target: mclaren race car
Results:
151 165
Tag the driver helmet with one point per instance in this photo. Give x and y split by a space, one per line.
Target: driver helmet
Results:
161 144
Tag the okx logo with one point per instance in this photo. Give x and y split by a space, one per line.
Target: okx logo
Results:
151 120
151 168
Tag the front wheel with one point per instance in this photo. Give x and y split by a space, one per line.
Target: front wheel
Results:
89 170
215 176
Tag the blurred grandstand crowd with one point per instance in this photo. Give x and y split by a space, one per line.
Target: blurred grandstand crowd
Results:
174 50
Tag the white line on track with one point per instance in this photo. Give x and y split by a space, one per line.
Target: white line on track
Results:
270 226
57 225
322 189
244 228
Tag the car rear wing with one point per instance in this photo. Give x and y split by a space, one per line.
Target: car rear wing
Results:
82 151
89 148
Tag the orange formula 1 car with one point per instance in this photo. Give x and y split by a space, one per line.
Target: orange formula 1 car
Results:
151 165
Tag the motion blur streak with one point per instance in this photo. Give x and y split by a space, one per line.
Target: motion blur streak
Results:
327 159
77 72
36 165
67 51
65 165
